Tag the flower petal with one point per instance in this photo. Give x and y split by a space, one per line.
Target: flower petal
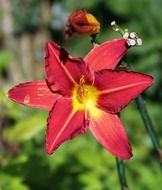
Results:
63 71
63 124
119 88
35 94
109 131
106 55
82 22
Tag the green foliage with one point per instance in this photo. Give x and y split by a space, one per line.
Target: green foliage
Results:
11 182
24 131
5 59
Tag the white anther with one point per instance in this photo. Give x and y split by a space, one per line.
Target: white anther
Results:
133 35
131 42
139 41
112 23
126 35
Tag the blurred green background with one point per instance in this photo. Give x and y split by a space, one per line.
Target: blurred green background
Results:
80 164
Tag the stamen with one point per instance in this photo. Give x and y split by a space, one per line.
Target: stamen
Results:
82 80
82 93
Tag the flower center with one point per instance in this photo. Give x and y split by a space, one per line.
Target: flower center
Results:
84 95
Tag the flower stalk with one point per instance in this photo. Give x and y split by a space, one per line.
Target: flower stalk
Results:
149 126
116 28
94 40
121 174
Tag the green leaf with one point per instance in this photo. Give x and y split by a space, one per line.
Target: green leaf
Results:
25 129
5 59
8 182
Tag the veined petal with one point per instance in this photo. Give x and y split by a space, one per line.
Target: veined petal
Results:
106 55
35 94
119 88
63 71
109 131
63 124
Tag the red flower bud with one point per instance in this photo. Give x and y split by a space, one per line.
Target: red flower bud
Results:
83 23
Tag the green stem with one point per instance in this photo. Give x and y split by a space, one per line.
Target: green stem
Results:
121 174
117 28
94 40
149 126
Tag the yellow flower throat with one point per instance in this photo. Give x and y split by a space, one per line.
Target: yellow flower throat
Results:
85 97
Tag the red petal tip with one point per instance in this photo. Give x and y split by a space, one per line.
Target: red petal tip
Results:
128 156
109 131
106 55
34 94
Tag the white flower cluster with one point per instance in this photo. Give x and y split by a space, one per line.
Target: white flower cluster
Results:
132 39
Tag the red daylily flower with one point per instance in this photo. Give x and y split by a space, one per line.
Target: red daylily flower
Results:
84 94
82 22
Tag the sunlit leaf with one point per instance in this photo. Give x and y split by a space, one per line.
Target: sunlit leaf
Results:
25 129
